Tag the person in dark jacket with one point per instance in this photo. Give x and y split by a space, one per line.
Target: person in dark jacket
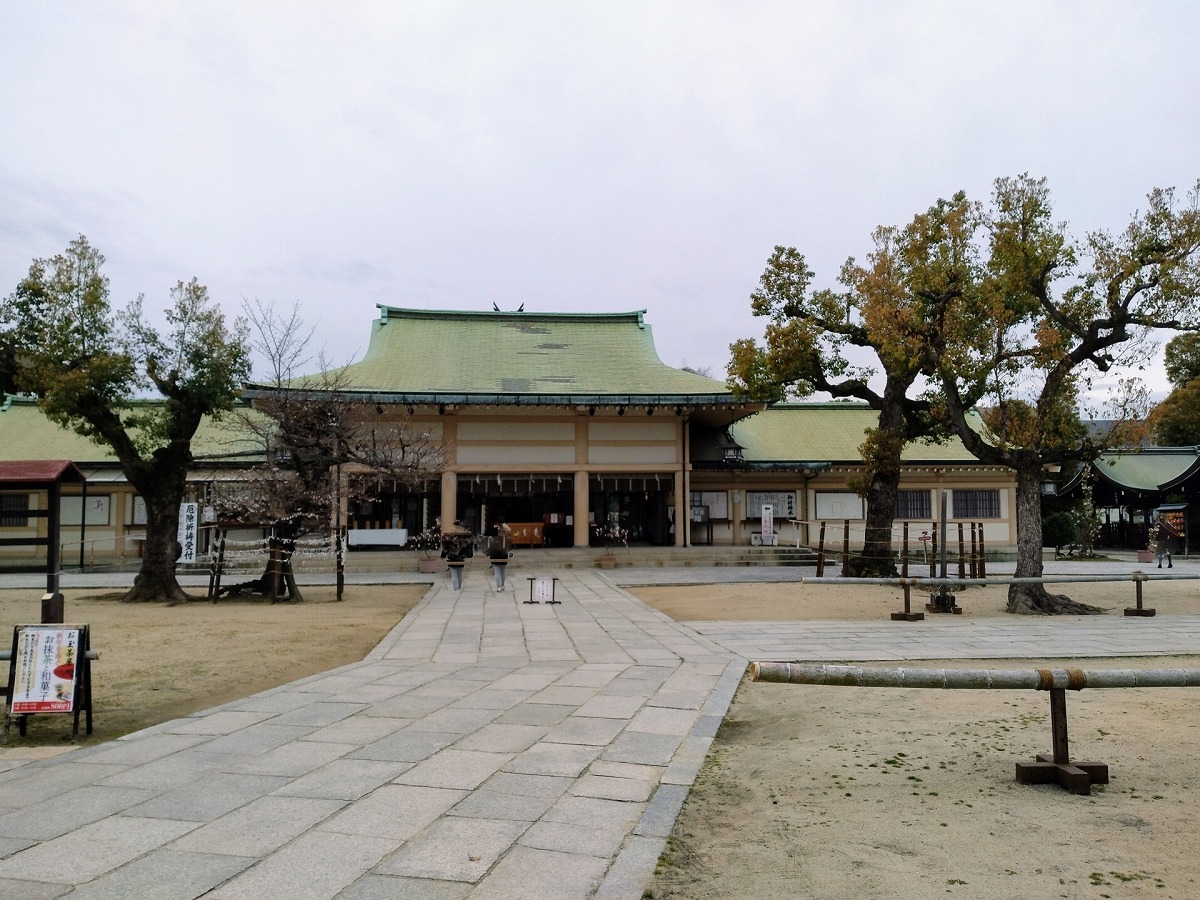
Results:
499 551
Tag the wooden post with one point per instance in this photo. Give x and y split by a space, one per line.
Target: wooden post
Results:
1058 725
974 553
962 556
274 565
214 590
904 561
340 556
933 550
982 554
845 545
821 552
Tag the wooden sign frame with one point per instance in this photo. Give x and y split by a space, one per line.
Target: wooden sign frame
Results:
49 672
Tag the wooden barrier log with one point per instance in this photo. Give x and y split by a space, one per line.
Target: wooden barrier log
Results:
971 679
1048 768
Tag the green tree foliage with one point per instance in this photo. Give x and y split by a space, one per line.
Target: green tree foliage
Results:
1182 358
91 366
1059 529
1176 420
1054 313
884 308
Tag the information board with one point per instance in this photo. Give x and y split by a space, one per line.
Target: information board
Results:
783 503
716 501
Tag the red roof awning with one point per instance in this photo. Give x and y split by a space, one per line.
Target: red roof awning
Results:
39 472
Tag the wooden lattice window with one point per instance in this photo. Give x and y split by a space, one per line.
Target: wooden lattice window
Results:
977 504
913 505
13 509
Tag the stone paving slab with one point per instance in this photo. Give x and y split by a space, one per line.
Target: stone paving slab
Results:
486 748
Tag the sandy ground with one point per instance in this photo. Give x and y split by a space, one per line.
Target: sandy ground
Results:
832 792
809 791
159 662
829 600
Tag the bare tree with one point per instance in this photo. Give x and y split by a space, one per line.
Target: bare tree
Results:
322 444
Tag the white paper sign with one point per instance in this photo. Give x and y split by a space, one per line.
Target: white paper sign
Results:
189 531
543 590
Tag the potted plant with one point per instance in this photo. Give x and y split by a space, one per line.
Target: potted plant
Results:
427 543
611 535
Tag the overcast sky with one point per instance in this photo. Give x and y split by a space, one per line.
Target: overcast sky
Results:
604 156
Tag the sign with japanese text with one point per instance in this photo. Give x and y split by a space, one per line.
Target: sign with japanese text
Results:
189 531
783 503
768 521
45 666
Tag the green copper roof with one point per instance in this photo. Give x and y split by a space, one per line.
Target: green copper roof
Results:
825 432
1149 469
481 354
26 433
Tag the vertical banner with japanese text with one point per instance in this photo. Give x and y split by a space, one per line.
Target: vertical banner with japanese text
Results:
768 523
189 525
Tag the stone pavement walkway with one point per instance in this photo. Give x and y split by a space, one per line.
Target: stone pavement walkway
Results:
487 748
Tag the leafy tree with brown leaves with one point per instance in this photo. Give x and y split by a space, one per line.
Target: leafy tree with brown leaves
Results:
1055 313
884 308
90 367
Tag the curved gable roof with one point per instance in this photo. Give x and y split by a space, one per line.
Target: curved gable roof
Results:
1150 468
425 352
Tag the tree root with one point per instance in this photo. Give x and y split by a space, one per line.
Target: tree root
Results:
869 567
1034 600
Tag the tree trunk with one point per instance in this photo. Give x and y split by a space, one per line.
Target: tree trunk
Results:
878 558
1034 599
881 459
278 579
156 581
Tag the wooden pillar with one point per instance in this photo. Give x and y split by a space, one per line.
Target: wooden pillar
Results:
449 498
581 535
681 511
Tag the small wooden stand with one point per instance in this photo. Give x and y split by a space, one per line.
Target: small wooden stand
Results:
1056 767
1139 610
908 615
